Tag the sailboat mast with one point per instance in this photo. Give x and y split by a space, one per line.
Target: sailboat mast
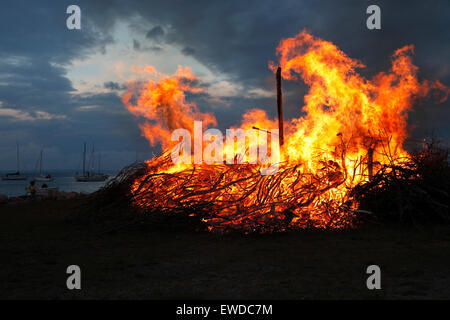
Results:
84 159
40 165
18 161
92 160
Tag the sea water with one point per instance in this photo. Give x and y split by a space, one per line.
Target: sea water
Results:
64 182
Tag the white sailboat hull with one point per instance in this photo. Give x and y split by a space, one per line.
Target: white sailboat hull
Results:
14 177
43 179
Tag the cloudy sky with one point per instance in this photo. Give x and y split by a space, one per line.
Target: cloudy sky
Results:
60 87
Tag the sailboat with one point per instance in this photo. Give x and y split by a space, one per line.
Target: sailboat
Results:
88 176
41 177
15 175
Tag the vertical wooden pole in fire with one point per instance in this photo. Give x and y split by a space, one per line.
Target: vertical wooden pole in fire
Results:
370 163
280 108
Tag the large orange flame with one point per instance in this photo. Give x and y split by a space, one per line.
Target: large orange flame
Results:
344 108
162 101
347 117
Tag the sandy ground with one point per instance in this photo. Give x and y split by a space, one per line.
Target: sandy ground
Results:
37 245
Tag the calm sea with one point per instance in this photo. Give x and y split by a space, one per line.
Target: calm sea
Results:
63 181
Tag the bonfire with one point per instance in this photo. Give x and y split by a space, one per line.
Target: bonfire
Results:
349 138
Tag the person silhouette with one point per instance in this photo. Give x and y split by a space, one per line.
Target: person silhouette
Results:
31 190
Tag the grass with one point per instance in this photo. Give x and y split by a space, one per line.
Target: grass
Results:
142 262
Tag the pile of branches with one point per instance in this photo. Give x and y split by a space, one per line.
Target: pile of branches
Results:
221 198
415 190
225 197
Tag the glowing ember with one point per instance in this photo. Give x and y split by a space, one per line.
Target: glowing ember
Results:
325 154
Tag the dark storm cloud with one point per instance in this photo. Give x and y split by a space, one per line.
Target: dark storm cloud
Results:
37 104
156 33
188 51
35 49
238 38
34 29
155 49
234 38
136 45
33 82
111 85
